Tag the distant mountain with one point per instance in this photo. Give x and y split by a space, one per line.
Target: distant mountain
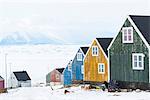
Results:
17 38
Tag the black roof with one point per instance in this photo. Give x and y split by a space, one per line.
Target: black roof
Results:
104 42
143 24
22 76
60 70
84 49
1 78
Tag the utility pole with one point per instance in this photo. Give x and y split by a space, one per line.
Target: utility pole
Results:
6 68
10 76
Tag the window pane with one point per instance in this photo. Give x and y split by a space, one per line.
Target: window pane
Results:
79 57
140 64
135 58
129 31
129 34
129 38
102 68
93 50
140 58
96 50
125 35
125 38
135 64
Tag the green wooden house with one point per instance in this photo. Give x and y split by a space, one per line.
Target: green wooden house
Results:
129 53
48 80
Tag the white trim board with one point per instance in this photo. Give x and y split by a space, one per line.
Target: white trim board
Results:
98 46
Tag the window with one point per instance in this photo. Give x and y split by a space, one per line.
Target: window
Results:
138 61
94 51
57 76
127 34
69 65
79 56
101 68
82 69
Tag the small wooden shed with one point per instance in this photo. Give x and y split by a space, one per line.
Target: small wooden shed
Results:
56 76
19 79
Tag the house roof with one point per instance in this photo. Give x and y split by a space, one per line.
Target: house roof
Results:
22 76
84 49
60 70
143 24
104 43
1 78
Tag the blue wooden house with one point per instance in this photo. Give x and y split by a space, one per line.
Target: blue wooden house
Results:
67 74
77 65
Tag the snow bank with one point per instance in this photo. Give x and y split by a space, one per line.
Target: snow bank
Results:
45 93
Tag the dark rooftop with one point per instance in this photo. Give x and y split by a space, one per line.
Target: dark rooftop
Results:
104 42
60 70
84 49
143 24
1 78
22 76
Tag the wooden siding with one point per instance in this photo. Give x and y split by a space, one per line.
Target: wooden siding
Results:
53 76
76 68
48 78
121 59
1 84
67 77
91 66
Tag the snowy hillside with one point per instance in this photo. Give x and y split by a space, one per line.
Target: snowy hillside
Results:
18 38
37 60
45 93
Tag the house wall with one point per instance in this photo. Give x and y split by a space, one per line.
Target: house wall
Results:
76 67
48 78
55 76
67 77
91 65
62 78
2 84
121 59
12 81
149 64
25 83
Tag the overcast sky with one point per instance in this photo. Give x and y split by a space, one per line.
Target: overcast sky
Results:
74 21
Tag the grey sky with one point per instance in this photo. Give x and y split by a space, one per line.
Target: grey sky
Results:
74 21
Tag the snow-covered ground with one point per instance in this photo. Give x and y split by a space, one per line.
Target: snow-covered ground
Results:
45 93
37 60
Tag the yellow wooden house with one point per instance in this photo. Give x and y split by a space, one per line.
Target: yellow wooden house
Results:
96 61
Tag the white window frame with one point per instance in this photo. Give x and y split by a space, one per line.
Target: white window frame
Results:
94 52
57 76
79 56
69 67
82 69
123 35
142 61
99 68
